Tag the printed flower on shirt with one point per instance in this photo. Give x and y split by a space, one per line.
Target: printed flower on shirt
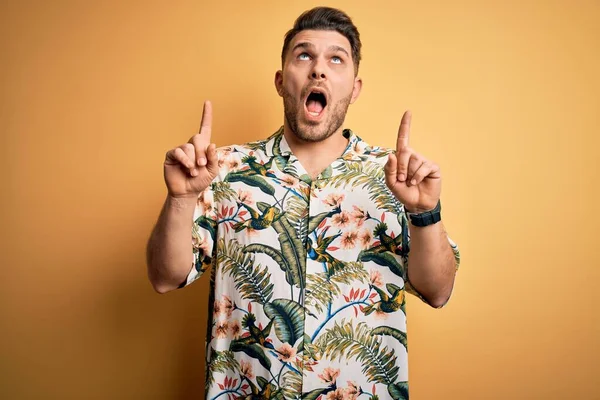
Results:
352 391
329 375
227 305
365 238
359 216
205 203
286 352
235 328
221 329
245 196
375 278
334 199
348 239
337 394
201 243
289 181
233 164
217 307
341 220
246 369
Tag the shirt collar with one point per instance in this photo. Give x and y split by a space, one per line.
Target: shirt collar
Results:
356 149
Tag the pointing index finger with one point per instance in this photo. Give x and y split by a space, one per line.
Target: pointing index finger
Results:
404 131
206 124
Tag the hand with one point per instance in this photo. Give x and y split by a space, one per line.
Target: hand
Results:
415 181
191 167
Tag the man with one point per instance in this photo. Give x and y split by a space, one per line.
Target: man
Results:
307 233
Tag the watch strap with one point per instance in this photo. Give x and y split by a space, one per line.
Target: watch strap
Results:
428 217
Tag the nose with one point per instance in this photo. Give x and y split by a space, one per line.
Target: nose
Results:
318 70
318 75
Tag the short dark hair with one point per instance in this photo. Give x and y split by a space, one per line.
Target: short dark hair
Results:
325 19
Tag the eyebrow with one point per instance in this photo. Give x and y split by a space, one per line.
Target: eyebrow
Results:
307 45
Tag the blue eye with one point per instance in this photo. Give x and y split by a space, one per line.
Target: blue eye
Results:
301 56
336 60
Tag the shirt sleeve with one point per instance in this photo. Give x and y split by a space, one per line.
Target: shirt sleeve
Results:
204 232
407 285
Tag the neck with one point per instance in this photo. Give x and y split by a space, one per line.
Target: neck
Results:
316 156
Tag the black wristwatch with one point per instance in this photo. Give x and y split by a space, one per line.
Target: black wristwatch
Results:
426 218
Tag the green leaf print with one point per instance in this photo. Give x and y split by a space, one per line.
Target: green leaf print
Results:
252 350
222 191
399 391
209 224
292 248
252 282
370 176
314 221
288 317
327 172
309 349
262 382
291 384
257 145
359 343
220 361
314 394
292 273
251 180
297 215
389 331
385 259
277 142
320 290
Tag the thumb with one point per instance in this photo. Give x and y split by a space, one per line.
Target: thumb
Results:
391 169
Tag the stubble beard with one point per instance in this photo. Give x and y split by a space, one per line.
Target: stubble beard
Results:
314 132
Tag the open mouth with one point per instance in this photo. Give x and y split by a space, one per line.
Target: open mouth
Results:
316 103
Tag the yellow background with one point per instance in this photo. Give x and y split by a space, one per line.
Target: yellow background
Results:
504 94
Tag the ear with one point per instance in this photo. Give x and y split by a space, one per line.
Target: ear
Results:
356 89
279 82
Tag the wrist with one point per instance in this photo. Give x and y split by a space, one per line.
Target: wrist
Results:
419 210
426 217
182 202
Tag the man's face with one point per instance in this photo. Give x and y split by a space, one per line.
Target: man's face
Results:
317 84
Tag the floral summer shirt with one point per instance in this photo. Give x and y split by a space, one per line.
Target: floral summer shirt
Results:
308 277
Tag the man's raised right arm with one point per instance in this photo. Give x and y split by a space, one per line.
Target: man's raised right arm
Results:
188 170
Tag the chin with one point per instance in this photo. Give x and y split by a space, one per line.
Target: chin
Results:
313 132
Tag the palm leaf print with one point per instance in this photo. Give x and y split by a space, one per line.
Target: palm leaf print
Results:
253 282
379 363
291 383
389 331
282 164
320 290
220 361
222 191
251 180
292 248
288 317
277 142
292 273
309 349
297 215
370 176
